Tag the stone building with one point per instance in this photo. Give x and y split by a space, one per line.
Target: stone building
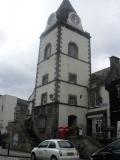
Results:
63 73
104 110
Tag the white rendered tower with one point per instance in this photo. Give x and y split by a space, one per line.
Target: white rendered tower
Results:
63 72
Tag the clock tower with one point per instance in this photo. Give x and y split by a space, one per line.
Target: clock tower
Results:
63 73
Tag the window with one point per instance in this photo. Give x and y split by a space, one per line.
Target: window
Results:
95 97
72 100
45 79
73 50
65 144
72 120
42 121
72 78
44 144
115 146
47 51
52 145
44 99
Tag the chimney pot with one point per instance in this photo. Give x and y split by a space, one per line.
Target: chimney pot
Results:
114 60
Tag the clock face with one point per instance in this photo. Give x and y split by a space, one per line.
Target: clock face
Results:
75 19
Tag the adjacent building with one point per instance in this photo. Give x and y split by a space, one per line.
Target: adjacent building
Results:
11 109
13 113
104 110
7 109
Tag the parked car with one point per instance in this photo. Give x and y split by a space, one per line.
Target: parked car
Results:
109 152
55 149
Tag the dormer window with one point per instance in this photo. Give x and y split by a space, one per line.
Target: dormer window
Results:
73 50
47 51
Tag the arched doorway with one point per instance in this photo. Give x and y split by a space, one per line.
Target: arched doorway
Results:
72 121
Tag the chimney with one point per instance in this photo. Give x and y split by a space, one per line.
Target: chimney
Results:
114 60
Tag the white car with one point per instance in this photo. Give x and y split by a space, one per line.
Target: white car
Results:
55 149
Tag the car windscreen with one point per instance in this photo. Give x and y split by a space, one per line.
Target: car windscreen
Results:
65 144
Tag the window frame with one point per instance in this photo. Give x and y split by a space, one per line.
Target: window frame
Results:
44 146
42 95
72 46
72 80
65 144
71 102
46 53
45 79
52 142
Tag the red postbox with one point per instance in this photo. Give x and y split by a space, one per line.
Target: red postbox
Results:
63 132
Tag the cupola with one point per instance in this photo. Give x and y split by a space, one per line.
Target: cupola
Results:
65 14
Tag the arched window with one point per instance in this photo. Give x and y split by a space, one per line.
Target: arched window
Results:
47 51
73 50
72 120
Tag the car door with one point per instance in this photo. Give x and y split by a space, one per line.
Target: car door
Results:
116 150
51 150
102 156
42 147
111 152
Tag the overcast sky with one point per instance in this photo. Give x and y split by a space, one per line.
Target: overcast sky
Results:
22 22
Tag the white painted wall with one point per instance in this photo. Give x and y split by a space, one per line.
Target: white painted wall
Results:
51 37
66 89
49 88
7 115
65 111
71 65
67 65
82 43
46 67
82 69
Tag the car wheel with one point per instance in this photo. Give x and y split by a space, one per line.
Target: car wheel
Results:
53 158
33 157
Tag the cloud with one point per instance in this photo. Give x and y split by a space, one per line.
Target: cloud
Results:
3 38
17 72
22 24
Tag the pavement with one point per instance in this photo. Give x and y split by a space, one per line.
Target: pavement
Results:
13 155
12 158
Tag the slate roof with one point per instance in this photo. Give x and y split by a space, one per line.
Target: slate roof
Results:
64 10
107 75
